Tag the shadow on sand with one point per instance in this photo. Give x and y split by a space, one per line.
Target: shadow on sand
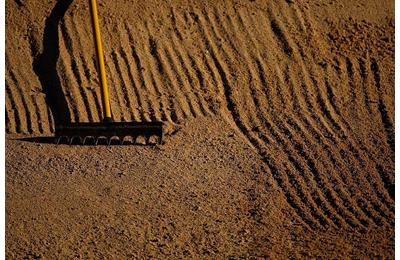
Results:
45 65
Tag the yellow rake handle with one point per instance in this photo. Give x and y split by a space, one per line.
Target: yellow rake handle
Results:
100 59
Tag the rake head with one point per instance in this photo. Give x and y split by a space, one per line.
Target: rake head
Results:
109 133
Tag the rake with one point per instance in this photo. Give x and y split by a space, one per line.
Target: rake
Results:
107 130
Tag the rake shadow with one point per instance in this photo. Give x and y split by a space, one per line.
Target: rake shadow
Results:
45 65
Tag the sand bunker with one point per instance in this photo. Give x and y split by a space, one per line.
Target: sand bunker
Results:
305 89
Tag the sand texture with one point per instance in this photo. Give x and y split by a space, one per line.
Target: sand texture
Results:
279 130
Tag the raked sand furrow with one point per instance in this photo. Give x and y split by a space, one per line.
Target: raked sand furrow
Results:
19 84
131 108
142 110
281 35
297 18
327 147
40 118
270 79
9 117
195 77
218 68
180 106
263 32
337 126
371 103
339 122
317 82
150 78
351 76
12 116
84 69
214 34
296 164
385 198
303 171
243 126
115 83
294 184
137 99
31 104
336 186
316 177
153 101
294 52
74 48
179 61
258 93
365 82
97 102
333 122
388 126
353 149
310 162
90 70
20 96
116 99
332 187
193 83
74 83
387 181
343 127
178 110
16 106
70 95
20 79
172 59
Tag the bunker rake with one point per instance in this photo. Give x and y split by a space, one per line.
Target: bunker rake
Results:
108 131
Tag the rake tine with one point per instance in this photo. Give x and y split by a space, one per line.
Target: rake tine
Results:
122 139
113 140
129 139
73 138
85 138
147 139
110 133
104 138
63 137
